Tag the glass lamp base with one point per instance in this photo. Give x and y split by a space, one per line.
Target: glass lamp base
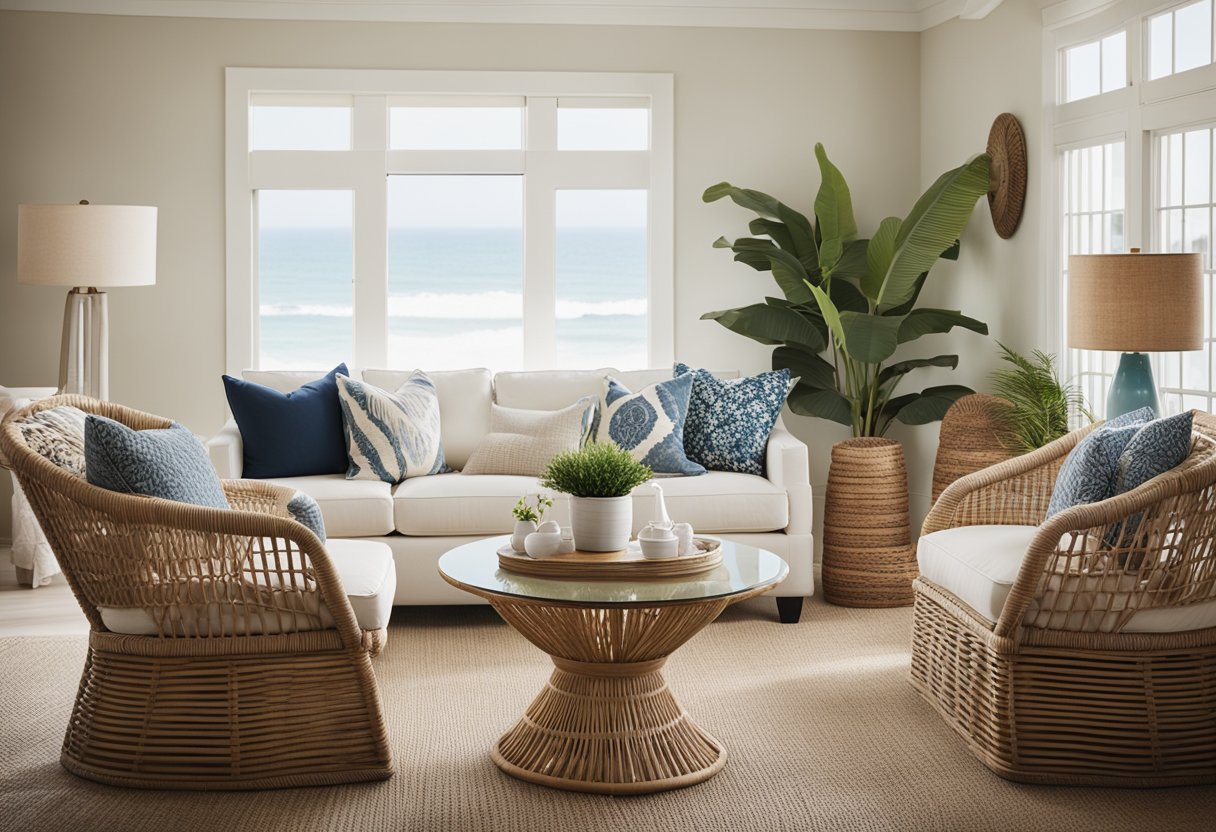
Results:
1132 387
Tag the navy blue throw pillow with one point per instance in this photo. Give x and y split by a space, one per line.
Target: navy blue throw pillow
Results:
294 434
169 463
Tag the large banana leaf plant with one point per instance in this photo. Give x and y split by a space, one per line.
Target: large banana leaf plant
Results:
853 298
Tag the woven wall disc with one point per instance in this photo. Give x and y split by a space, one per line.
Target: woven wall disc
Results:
1007 180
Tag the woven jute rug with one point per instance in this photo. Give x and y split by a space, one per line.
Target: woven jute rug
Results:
823 731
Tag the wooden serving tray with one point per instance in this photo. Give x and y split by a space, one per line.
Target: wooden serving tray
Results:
613 566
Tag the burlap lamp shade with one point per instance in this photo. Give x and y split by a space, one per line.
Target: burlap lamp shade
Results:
1135 303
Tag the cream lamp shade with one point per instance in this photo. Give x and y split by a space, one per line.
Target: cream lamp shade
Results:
86 245
1135 302
89 248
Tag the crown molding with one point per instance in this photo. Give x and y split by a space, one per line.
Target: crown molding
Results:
858 15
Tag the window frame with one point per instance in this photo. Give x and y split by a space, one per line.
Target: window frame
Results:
1137 114
365 169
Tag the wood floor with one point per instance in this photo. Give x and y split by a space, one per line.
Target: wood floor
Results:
46 611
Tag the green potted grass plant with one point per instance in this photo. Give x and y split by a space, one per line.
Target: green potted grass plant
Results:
599 479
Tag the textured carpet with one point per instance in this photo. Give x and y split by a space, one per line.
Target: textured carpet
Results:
823 732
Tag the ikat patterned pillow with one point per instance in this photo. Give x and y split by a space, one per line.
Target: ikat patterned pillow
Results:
1088 472
650 424
729 420
391 436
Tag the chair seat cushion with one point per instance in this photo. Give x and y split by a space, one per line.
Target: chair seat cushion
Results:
365 568
979 565
976 564
714 503
350 508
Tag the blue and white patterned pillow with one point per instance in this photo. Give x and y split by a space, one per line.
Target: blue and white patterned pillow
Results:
1155 448
729 420
170 463
304 510
1088 472
650 424
391 436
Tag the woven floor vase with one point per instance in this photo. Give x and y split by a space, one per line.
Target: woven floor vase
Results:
868 557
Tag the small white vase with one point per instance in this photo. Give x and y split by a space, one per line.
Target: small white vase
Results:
523 528
601 524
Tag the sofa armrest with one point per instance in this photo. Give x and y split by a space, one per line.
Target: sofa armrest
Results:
227 452
787 462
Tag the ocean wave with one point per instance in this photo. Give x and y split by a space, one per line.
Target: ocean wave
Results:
503 306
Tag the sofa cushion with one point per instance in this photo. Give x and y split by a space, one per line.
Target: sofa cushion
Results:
715 503
350 508
547 389
463 504
365 568
289 434
391 436
464 406
524 441
170 463
718 502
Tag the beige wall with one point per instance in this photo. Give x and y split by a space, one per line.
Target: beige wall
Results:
970 72
130 109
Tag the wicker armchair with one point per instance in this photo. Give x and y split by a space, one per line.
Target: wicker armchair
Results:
258 675
1099 666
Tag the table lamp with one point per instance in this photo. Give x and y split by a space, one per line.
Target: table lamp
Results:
87 247
1135 304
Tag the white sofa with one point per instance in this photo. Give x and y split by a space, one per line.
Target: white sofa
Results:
424 517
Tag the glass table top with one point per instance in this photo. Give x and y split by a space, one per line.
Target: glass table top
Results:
743 569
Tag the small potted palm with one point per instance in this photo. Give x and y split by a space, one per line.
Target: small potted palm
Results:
599 479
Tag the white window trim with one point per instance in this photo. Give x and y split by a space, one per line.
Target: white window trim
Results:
363 170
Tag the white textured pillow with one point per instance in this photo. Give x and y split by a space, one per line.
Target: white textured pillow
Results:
391 436
522 442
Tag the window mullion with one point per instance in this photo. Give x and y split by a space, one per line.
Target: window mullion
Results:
540 235
371 232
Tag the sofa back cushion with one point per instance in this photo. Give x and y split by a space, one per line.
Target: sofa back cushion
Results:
548 389
556 389
464 406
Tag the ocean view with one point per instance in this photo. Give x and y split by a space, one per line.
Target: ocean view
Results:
455 297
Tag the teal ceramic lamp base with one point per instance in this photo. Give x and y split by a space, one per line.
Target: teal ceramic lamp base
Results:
1132 387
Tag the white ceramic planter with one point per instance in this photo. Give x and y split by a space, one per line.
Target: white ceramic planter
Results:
601 524
523 528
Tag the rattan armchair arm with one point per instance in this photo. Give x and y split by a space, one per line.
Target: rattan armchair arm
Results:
1013 492
258 496
1174 512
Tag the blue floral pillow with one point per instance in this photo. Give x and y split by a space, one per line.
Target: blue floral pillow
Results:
1088 473
729 420
650 424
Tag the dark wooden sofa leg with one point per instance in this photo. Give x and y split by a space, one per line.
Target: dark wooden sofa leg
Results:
789 609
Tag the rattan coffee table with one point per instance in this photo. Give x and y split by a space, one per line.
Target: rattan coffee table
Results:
606 721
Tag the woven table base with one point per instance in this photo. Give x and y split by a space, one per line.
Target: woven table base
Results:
868 557
606 722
